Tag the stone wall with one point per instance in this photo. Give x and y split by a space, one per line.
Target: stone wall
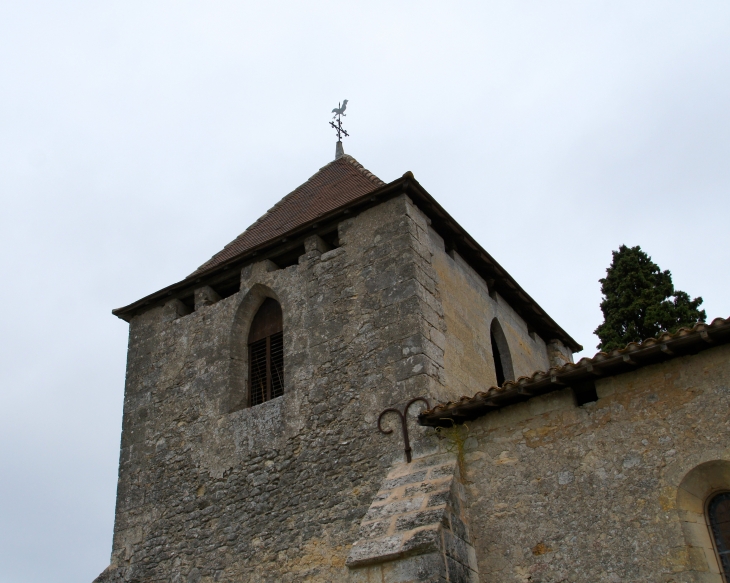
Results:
607 492
468 313
210 490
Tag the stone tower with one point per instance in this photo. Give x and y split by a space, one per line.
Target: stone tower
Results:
250 449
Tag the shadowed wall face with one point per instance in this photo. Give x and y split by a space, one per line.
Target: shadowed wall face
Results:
471 314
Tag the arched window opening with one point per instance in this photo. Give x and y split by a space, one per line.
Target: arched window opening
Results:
718 513
500 354
266 354
497 362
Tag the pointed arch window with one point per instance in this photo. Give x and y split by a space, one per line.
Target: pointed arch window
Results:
266 354
500 354
718 513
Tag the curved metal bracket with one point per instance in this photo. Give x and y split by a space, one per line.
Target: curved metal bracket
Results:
404 423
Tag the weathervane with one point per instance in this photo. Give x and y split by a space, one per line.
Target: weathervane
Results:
339 112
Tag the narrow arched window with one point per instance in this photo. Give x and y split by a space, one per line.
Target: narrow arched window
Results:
718 513
266 354
500 354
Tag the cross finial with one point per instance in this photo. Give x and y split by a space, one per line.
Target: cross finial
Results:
339 111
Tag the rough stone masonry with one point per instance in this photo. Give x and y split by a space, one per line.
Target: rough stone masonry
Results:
209 491
385 298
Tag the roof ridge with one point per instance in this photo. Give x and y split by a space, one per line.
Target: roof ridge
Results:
364 171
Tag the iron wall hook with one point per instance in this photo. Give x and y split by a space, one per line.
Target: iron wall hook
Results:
404 423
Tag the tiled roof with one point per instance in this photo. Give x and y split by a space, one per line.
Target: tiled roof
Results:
334 185
635 355
339 188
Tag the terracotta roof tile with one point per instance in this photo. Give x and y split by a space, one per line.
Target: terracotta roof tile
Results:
335 184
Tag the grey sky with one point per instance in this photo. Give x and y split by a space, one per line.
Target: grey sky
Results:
137 138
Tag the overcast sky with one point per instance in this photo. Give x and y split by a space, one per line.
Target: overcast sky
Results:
137 138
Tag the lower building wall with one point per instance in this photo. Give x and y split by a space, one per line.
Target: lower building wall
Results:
609 491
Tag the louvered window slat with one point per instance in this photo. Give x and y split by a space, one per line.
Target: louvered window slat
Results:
266 354
257 360
277 364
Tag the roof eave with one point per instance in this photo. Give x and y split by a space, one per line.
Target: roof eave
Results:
634 356
497 277
198 279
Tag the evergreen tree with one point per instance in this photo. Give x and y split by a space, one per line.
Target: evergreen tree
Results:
639 301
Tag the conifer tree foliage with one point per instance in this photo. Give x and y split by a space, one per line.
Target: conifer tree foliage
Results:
639 301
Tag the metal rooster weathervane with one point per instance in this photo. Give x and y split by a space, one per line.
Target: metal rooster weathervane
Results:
339 111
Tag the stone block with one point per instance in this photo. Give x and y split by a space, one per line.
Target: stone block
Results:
317 244
380 511
331 256
697 535
459 573
421 541
414 365
456 548
443 471
457 526
408 478
439 498
377 550
399 293
256 271
430 461
417 519
373 530
174 309
205 296
429 568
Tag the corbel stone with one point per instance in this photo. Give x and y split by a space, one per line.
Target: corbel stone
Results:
174 309
316 243
257 270
558 353
205 296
